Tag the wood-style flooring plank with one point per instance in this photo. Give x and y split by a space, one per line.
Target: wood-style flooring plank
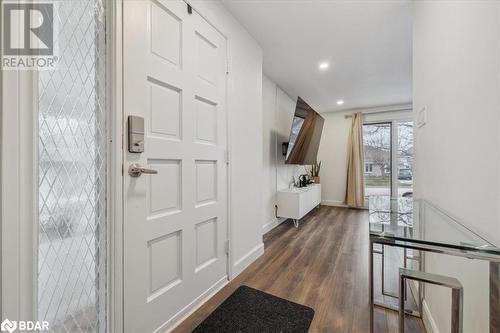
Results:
324 265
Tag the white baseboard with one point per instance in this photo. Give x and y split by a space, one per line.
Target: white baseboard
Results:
246 260
429 322
180 316
273 224
238 267
335 203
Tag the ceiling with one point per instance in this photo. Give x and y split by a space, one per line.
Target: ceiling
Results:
368 45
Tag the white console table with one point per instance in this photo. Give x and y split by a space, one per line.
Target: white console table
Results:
296 202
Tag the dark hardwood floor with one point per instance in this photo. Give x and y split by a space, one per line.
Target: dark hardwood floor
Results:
324 265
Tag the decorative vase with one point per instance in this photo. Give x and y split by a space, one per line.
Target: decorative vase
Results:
316 179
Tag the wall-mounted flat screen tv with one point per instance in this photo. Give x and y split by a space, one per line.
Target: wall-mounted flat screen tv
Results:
305 135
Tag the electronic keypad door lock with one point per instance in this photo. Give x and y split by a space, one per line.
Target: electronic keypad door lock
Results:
135 134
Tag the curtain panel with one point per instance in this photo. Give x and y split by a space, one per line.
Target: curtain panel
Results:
355 191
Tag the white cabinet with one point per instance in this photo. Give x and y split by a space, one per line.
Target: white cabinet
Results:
297 202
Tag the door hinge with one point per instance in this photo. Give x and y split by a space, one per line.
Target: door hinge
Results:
227 67
226 156
227 248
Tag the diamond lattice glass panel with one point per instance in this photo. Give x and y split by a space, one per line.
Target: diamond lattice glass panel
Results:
72 173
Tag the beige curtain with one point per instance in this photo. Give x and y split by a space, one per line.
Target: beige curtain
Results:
355 192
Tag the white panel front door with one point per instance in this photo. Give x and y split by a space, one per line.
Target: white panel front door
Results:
175 221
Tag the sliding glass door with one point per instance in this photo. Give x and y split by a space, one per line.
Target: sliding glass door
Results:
377 144
404 157
388 165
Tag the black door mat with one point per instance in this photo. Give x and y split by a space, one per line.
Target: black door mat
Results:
249 310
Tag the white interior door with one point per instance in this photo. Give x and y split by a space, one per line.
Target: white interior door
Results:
175 220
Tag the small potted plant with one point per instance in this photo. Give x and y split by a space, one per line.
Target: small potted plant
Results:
315 168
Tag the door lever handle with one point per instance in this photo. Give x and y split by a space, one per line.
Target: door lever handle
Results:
135 170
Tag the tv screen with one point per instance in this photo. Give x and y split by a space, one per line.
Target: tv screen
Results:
305 135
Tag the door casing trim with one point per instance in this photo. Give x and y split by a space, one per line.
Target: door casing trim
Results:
115 189
18 195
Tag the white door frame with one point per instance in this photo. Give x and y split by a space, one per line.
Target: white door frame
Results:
18 199
115 188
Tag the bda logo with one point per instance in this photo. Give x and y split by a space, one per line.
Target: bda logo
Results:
8 325
24 325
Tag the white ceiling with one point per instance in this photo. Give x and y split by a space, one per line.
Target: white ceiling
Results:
368 44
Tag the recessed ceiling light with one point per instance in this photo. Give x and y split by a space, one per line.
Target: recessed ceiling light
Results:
340 102
323 66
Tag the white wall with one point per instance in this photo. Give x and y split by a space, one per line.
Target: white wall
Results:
245 134
333 147
269 152
456 74
278 111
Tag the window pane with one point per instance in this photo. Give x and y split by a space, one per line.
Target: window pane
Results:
405 158
377 144
72 173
